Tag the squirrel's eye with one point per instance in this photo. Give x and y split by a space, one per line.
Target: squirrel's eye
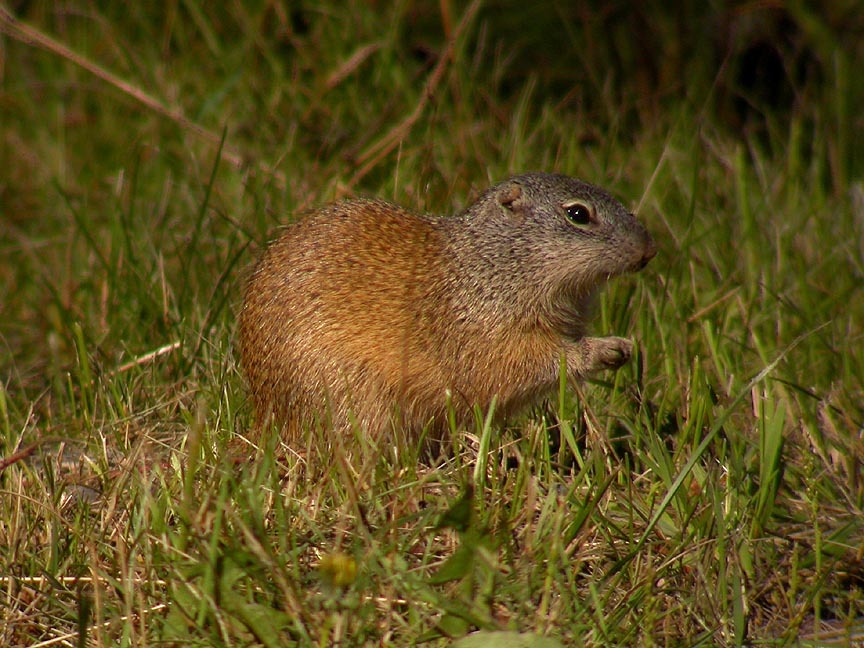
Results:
578 214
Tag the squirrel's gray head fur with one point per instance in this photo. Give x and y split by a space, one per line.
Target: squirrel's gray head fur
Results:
577 232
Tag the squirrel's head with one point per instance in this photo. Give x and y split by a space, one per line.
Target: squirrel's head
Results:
574 231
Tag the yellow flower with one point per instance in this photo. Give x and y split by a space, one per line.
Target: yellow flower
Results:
338 569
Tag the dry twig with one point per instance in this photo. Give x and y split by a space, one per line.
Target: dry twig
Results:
29 35
370 158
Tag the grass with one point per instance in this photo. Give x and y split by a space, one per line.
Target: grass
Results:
710 493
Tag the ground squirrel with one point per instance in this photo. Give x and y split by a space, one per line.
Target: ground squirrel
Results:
366 314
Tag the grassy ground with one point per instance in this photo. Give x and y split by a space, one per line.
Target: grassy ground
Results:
710 493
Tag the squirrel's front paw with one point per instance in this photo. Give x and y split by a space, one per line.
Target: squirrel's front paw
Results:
592 354
613 352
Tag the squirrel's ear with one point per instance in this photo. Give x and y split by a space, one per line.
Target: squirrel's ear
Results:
510 196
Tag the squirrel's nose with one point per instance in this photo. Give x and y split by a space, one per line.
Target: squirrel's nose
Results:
649 251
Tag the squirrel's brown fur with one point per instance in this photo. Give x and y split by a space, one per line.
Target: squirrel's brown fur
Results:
366 314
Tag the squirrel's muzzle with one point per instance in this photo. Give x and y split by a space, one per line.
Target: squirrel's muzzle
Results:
649 252
644 243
